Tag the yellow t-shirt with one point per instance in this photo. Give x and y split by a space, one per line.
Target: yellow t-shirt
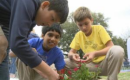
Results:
94 42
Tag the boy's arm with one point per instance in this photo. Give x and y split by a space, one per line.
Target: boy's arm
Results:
20 26
104 51
11 54
37 69
43 67
90 56
106 40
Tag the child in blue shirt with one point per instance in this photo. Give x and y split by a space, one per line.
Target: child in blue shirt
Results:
48 51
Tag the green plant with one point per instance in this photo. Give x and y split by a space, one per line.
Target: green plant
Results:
83 74
80 73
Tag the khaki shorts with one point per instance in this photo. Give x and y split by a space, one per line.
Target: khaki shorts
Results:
26 73
1 31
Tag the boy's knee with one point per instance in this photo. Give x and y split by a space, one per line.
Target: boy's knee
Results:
67 61
117 51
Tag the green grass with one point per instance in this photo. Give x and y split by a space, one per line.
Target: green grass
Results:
121 76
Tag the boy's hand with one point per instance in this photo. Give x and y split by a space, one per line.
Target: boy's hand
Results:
55 75
75 57
89 57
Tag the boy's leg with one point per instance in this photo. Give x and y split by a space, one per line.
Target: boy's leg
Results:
26 73
23 70
12 69
4 68
111 65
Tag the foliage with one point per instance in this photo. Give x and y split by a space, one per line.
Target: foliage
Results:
99 19
84 74
69 31
81 73
121 42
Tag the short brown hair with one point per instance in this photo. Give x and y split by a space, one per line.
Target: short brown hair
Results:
82 13
60 7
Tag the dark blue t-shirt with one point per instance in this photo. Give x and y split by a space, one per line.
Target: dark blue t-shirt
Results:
54 55
19 16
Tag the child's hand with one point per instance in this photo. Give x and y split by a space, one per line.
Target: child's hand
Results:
89 57
75 57
55 76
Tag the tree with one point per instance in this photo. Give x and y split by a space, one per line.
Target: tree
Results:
98 19
121 42
69 31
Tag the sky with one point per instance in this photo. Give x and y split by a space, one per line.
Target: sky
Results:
118 12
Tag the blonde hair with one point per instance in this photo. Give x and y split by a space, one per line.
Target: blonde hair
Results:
82 13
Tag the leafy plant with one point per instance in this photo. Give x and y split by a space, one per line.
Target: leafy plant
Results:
80 73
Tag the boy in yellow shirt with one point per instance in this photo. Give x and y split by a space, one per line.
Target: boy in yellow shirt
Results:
96 45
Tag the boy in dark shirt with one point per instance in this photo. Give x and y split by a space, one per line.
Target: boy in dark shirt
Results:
20 16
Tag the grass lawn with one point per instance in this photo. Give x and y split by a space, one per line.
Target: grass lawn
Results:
121 76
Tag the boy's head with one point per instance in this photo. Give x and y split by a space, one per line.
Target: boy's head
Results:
83 19
51 35
52 11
